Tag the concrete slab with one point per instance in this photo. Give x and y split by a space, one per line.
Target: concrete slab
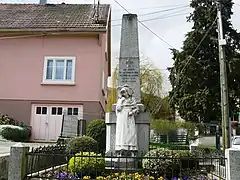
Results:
208 141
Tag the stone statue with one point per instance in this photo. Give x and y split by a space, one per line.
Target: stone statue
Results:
126 110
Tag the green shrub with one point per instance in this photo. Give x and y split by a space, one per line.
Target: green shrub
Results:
63 140
97 130
165 162
87 163
164 126
6 120
16 134
82 144
205 150
169 146
208 151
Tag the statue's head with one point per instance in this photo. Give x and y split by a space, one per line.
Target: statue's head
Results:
126 91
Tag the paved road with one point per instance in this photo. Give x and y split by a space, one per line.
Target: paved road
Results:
6 145
208 141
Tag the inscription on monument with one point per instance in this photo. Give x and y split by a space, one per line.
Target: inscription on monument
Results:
129 73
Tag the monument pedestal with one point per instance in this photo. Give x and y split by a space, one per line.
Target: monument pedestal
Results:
127 161
142 121
122 163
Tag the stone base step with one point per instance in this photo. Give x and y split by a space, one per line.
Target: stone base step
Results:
122 163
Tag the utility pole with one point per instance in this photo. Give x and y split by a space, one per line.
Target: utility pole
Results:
223 81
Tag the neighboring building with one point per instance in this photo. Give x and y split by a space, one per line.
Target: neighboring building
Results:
54 58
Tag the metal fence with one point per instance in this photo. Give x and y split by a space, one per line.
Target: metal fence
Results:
53 162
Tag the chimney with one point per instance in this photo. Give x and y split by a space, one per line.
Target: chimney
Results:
43 2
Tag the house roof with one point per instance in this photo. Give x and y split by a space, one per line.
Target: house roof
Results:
52 16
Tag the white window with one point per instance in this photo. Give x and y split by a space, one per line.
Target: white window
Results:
59 70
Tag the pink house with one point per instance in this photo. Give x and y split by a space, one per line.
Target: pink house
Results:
54 58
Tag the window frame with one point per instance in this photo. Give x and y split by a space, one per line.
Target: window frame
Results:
61 82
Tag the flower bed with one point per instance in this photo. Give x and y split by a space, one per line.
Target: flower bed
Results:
161 163
136 176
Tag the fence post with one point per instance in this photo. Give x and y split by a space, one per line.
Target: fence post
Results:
233 164
17 167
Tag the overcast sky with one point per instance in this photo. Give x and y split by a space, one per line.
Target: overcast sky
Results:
172 29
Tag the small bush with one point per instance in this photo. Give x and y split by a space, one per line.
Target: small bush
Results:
87 163
208 151
14 130
63 140
6 120
16 134
206 148
82 144
165 162
97 130
169 146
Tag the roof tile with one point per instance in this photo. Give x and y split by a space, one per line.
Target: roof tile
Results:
32 16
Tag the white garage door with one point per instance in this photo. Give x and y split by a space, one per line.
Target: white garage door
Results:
46 120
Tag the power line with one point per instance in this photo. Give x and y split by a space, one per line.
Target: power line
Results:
166 11
156 34
156 12
146 27
156 18
152 7
164 17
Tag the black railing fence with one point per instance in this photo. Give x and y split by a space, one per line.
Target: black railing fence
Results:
45 157
53 162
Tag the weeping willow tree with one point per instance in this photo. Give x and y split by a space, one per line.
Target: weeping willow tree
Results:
151 80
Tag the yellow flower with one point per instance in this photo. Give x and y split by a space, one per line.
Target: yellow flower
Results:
100 178
108 177
161 178
87 177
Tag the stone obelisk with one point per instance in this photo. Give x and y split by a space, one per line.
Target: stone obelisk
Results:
129 63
